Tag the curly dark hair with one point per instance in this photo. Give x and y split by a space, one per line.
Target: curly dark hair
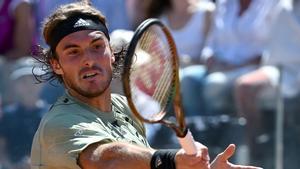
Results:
60 15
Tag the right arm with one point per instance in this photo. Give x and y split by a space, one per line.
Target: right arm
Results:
119 155
114 156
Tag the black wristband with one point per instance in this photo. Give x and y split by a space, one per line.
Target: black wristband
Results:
164 159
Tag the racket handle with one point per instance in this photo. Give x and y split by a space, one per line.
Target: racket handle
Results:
188 143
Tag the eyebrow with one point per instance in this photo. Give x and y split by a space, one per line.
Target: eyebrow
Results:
97 39
98 35
70 46
67 46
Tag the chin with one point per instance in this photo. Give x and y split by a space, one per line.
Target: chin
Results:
92 95
94 91
90 90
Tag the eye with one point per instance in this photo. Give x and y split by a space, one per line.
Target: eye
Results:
73 52
99 46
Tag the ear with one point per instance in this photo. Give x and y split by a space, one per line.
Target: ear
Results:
56 66
113 59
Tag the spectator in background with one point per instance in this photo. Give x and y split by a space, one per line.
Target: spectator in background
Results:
16 37
257 91
17 27
4 160
117 19
22 118
2 82
234 47
189 22
136 12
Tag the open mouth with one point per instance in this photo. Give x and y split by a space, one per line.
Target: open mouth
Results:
89 75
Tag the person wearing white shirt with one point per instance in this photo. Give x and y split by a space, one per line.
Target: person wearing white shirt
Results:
257 90
234 47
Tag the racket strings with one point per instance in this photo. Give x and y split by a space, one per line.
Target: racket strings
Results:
139 69
152 74
160 59
163 86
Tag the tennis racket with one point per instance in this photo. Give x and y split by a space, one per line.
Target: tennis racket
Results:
150 80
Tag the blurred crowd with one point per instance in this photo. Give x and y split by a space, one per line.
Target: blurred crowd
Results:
239 69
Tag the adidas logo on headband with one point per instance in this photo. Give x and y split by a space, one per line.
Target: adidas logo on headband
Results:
73 24
81 22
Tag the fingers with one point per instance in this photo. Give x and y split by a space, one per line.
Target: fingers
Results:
201 158
227 153
221 161
202 151
184 161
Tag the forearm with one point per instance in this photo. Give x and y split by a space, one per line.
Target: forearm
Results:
119 155
114 156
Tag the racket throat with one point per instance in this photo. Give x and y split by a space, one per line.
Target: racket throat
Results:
180 132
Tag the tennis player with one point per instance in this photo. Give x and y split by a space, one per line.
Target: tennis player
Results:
89 127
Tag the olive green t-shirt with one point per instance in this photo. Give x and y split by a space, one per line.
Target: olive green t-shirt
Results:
70 126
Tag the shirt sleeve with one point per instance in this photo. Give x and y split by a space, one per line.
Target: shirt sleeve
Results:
64 137
123 104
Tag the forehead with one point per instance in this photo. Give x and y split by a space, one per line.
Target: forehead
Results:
84 35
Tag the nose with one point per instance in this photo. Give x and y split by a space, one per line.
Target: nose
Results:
89 58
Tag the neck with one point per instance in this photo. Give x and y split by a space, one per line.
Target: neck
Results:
101 102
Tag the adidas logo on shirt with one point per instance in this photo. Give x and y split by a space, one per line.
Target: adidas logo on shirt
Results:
81 22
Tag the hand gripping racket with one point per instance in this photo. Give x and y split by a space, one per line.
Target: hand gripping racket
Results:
151 82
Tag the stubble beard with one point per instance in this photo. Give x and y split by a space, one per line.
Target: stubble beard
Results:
88 93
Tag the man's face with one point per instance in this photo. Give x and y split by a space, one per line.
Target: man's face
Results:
84 62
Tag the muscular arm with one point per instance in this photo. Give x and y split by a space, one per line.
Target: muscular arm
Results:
115 156
123 155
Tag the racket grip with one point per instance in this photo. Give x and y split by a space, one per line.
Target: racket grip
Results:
188 143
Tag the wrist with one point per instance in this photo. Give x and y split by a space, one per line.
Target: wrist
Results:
163 159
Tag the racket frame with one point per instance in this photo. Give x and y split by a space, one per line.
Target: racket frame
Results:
180 128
